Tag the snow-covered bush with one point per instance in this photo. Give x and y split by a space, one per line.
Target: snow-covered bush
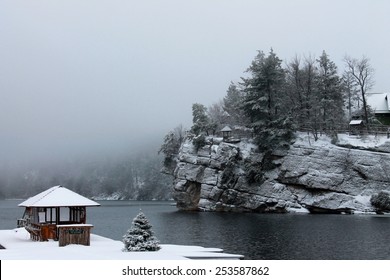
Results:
381 201
140 237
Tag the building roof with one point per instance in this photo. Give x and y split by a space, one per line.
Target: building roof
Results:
355 122
58 196
379 102
226 129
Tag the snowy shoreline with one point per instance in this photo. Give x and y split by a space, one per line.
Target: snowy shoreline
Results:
18 246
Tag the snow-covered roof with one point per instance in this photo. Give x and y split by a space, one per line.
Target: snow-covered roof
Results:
354 122
379 102
226 129
58 196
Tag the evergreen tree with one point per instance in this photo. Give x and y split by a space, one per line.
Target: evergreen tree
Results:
140 236
217 117
232 105
200 120
170 148
262 101
262 88
329 91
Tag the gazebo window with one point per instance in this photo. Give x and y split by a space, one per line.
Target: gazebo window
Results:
51 215
64 215
41 215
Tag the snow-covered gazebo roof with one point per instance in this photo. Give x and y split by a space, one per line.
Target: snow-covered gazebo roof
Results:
226 129
58 196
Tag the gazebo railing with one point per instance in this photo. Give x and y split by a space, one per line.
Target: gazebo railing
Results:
22 222
35 231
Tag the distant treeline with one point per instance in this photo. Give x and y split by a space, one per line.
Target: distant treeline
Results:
136 177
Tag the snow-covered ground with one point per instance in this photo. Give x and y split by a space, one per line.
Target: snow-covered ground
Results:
18 246
359 141
364 141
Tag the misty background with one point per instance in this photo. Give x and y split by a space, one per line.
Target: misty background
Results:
88 89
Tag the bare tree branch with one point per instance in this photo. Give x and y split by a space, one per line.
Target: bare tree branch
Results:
363 74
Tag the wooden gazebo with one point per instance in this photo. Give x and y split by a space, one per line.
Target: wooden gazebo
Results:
59 214
226 133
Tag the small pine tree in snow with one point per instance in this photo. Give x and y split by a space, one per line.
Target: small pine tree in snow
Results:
140 236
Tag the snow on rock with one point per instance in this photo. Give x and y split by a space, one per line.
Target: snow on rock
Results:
315 176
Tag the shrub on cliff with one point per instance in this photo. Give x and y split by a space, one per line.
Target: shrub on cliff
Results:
170 147
253 168
381 201
199 141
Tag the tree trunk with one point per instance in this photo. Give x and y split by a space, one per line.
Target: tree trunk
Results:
365 108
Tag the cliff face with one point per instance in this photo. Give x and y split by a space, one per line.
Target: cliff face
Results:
308 177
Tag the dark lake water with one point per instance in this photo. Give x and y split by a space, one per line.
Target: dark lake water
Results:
257 236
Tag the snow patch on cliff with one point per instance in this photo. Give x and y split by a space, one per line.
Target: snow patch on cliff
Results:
358 141
364 200
246 148
113 196
363 141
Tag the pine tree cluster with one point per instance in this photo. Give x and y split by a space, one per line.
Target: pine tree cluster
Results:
274 100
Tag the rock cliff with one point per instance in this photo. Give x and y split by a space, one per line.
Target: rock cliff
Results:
310 176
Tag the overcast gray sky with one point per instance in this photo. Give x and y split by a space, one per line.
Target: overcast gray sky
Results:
104 75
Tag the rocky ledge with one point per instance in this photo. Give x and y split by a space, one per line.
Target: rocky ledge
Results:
315 177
